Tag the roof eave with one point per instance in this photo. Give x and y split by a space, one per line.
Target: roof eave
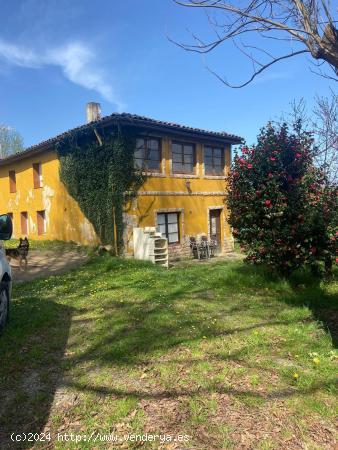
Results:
169 129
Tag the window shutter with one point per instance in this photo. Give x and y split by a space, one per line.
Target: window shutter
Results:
24 223
41 221
12 181
37 176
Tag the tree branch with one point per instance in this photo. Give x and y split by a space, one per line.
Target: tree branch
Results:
264 67
270 19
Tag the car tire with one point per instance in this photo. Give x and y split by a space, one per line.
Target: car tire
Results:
4 306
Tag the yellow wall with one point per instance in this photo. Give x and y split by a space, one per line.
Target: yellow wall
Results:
64 219
191 195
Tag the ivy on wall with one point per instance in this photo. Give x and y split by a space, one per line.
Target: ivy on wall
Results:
98 172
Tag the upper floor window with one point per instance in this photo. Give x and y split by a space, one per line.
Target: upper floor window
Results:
12 181
213 161
37 175
183 157
148 154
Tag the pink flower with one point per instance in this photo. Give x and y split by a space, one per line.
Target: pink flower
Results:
268 203
298 155
249 166
270 175
272 158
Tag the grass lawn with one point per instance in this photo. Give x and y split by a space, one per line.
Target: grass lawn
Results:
222 352
58 246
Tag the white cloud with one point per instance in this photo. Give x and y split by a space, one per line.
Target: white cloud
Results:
272 76
76 60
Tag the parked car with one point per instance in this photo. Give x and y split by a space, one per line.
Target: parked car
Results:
6 229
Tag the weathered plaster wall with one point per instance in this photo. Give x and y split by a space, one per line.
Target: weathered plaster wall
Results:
64 219
192 195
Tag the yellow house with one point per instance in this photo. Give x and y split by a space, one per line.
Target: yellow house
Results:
183 193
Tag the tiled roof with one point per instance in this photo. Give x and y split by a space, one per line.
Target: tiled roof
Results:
133 120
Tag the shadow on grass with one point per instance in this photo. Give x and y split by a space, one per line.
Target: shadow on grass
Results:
31 353
126 314
192 392
145 321
306 290
135 332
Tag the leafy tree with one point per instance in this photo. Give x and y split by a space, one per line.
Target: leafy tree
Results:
282 210
10 141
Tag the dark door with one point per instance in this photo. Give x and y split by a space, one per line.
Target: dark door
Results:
215 225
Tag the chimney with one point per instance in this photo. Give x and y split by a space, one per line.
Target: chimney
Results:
93 111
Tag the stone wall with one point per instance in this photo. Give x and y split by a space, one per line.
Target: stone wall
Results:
183 250
228 245
180 251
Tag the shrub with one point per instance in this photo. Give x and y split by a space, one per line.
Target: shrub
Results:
282 209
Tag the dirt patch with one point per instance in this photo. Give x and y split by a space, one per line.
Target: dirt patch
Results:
43 263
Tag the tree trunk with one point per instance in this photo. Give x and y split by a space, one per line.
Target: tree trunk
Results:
328 50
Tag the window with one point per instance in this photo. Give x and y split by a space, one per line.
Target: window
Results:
213 161
148 154
12 181
24 223
168 225
183 157
37 175
41 221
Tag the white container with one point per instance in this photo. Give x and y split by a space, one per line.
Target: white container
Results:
150 245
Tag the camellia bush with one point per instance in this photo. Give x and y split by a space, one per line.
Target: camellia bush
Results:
282 209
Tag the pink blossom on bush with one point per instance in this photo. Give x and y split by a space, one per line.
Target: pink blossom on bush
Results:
286 217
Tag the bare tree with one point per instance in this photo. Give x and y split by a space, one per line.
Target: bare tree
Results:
325 126
10 141
322 123
303 26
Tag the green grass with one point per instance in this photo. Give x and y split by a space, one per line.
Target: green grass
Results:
205 350
59 246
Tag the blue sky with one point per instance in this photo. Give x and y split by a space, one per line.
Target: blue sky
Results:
56 55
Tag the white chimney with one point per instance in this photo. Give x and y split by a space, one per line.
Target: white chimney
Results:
93 111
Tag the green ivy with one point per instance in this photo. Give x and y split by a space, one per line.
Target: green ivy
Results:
101 178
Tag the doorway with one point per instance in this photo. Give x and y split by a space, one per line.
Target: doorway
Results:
215 232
